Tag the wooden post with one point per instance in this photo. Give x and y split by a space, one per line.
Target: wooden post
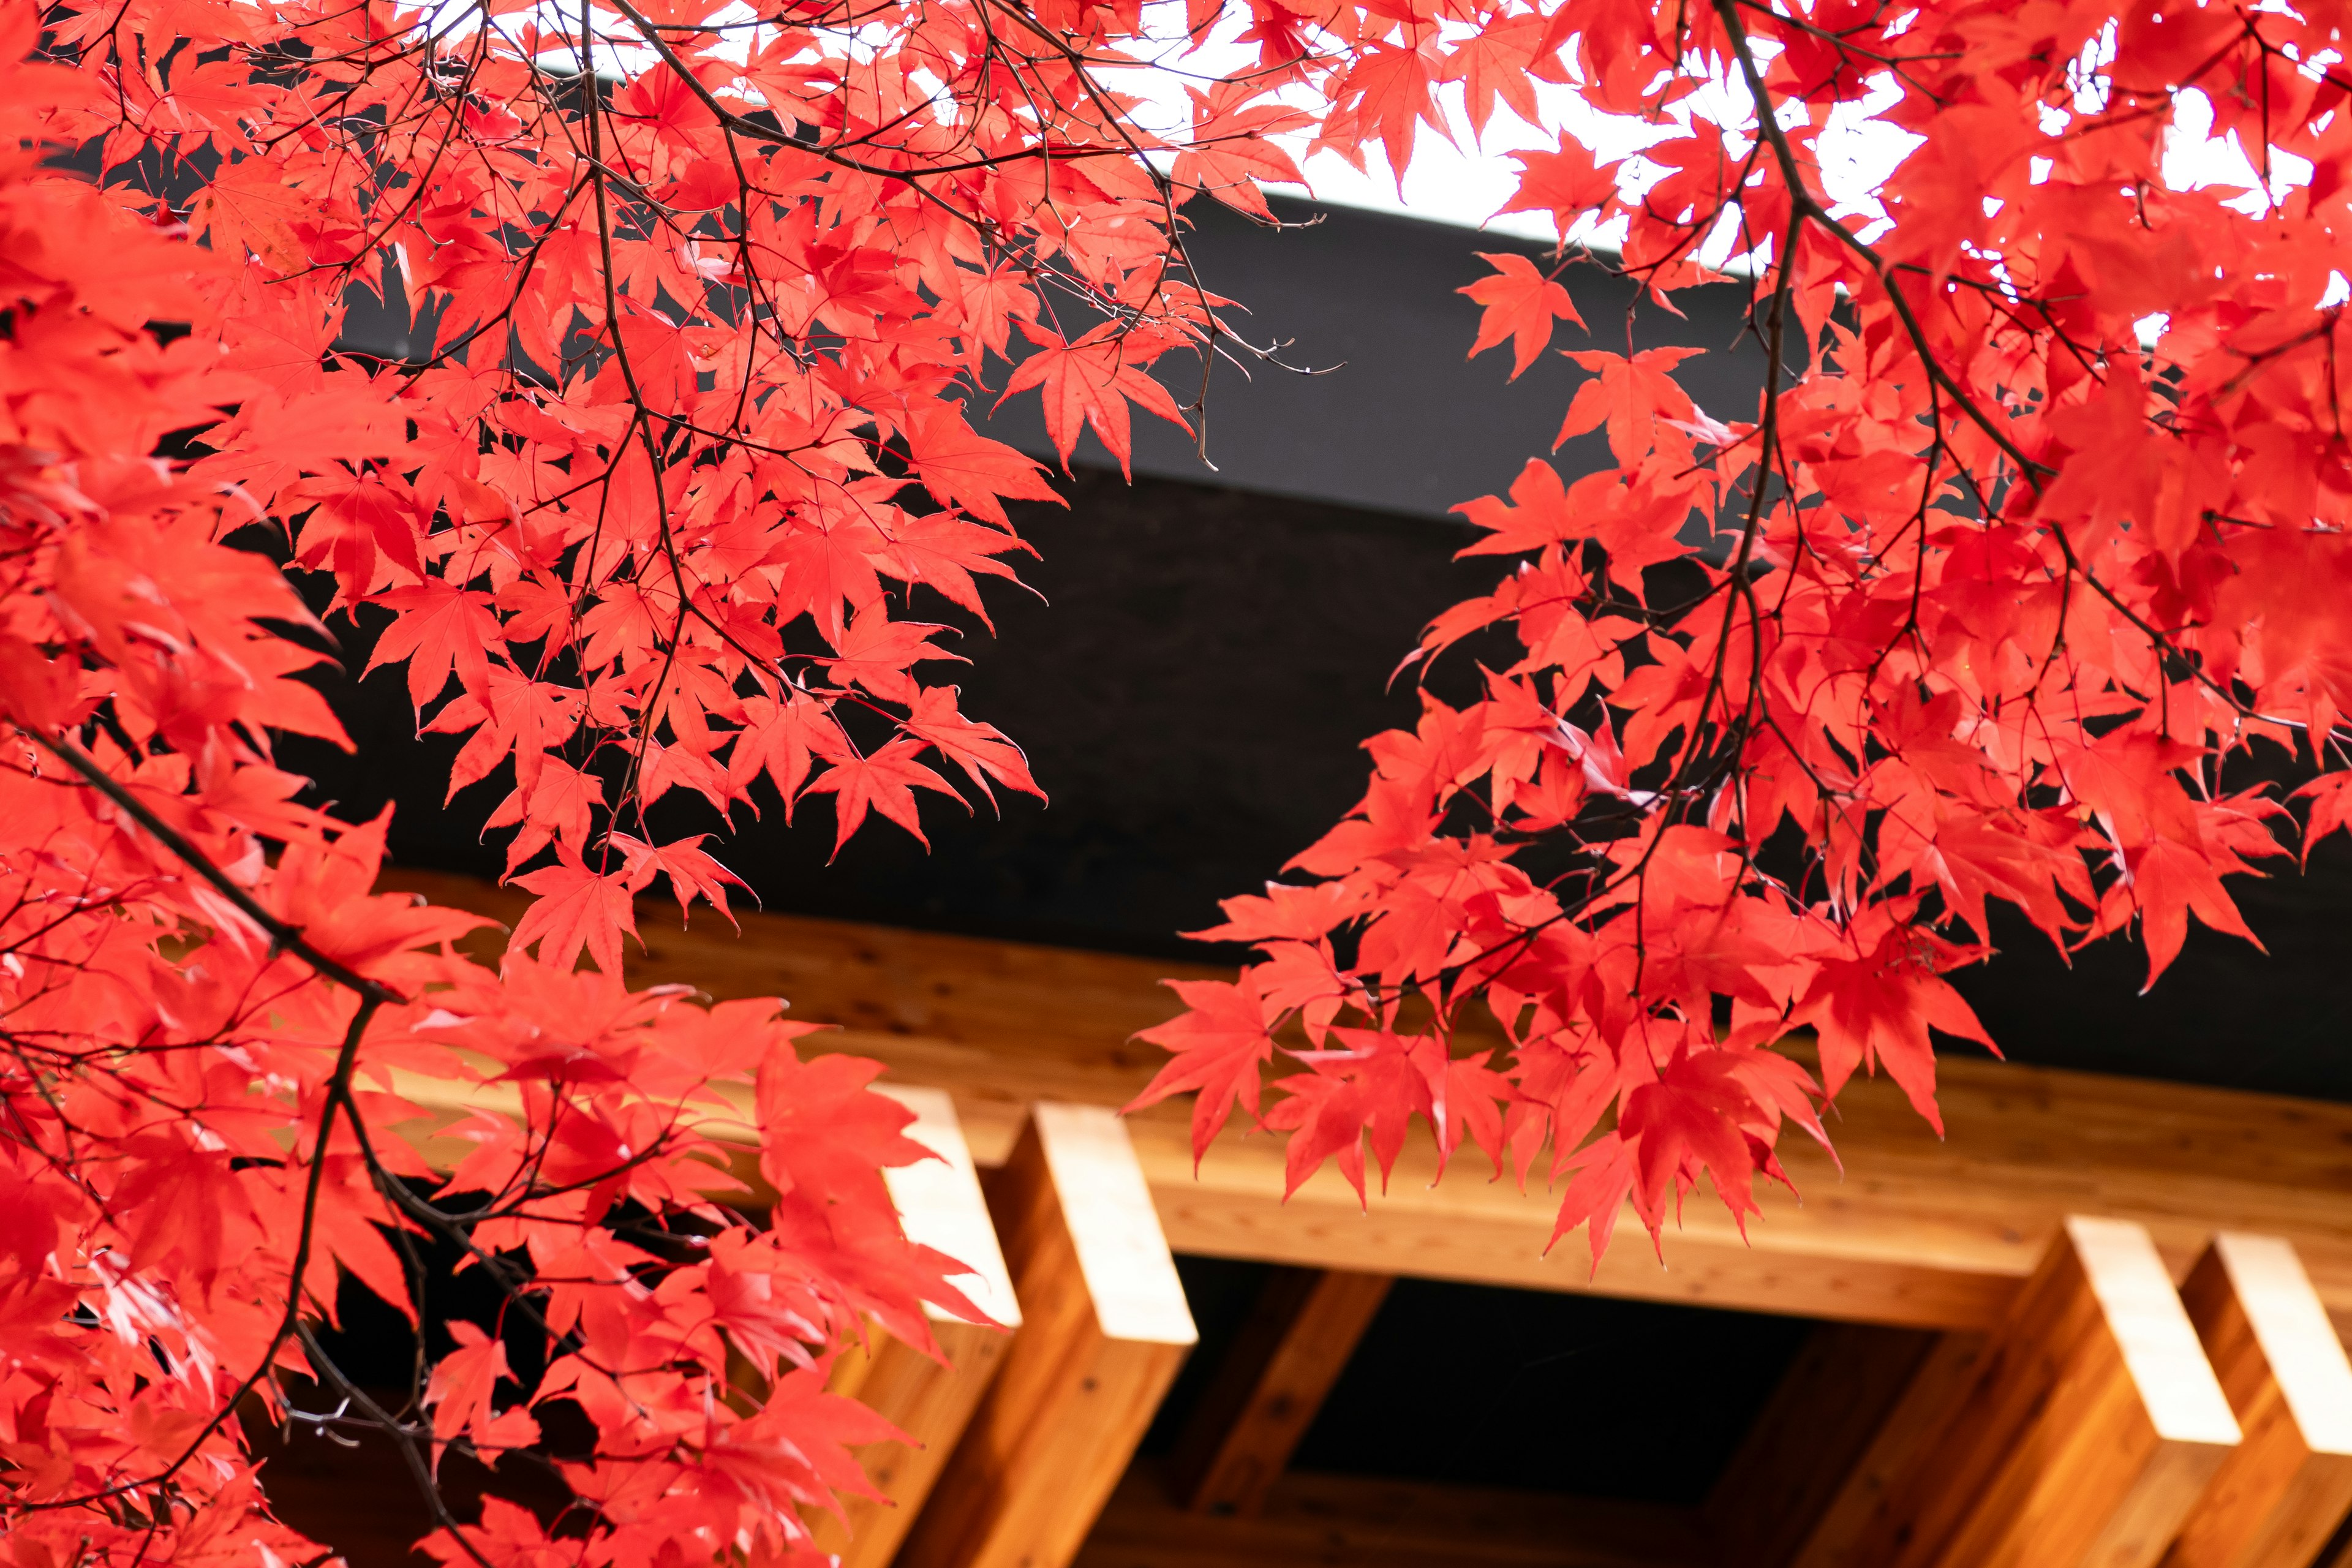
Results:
2281 1493
2092 1425
1105 1326
940 1204
1293 1349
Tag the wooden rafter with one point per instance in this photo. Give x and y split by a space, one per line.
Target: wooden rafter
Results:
2092 1427
1832 1404
2284 1491
940 1204
1105 1326
1298 1338
1848 1531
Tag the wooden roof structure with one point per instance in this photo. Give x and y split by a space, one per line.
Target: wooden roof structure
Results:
2099 1325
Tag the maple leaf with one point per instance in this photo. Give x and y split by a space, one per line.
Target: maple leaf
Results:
1089 383
508 713
506 1533
886 780
875 652
1520 304
462 1383
576 909
828 563
1605 1175
944 551
1387 93
1629 396
1875 1010
1567 182
692 872
438 626
1221 1042
2169 881
824 1131
982 751
2331 808
963 468
1496 61
1232 147
1686 1122
784 741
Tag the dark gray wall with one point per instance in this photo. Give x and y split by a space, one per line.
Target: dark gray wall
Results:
1203 659
1386 411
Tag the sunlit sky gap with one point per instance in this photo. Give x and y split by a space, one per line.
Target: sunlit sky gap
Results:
1464 178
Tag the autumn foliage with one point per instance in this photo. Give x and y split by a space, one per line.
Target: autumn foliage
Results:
2035 532
209 1013
2036 526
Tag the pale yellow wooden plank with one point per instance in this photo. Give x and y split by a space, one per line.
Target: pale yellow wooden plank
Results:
939 1205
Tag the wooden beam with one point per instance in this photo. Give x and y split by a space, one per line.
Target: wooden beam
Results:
1297 1341
1368 1521
2281 1493
1846 1534
1915 1230
1813 1435
1105 1326
941 1205
2092 1427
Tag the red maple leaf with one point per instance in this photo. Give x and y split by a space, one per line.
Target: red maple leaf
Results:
1520 304
982 751
1090 383
1566 183
463 1384
577 909
886 781
1221 1042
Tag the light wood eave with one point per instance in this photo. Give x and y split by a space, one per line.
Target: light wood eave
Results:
1914 1231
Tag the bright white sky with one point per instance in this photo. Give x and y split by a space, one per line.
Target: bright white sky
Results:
1465 179
1450 185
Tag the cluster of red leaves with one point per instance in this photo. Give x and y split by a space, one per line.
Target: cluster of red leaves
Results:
209 1017
1970 610
701 299
2040 520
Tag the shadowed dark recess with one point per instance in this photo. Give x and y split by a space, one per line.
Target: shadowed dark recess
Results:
1526 1390
1191 699
1538 1392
